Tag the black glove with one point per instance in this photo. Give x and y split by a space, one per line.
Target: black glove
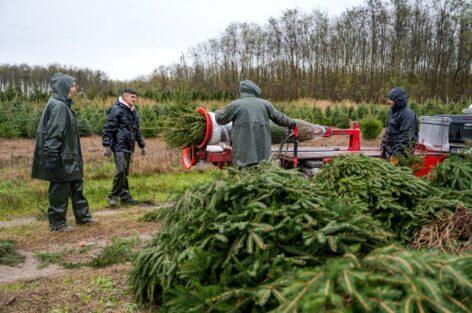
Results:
52 165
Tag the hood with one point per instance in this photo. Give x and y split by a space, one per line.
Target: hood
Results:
60 85
123 102
248 89
399 96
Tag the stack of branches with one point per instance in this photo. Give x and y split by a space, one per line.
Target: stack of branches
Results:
392 194
451 233
265 239
454 173
244 230
409 206
388 280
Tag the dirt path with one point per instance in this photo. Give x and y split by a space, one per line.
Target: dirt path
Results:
45 287
30 219
31 268
18 222
28 270
82 290
33 236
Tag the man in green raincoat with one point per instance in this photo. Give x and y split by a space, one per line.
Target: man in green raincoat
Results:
251 141
58 157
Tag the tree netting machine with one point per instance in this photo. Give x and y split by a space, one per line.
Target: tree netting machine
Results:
439 136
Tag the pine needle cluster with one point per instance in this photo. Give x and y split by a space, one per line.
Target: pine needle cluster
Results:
9 254
183 125
387 280
392 193
454 173
248 228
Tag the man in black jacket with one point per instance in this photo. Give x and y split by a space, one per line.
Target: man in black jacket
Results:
58 157
120 132
402 126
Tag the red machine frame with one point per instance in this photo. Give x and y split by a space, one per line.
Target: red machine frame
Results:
191 155
354 134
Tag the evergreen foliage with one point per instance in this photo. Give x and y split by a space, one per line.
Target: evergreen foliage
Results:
266 239
387 280
247 228
183 125
371 127
392 194
454 173
20 118
84 126
119 250
9 254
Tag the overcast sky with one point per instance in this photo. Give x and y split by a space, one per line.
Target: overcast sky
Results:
127 38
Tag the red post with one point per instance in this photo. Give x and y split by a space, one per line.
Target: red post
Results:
354 138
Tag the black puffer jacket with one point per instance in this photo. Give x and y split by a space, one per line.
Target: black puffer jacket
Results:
402 125
122 129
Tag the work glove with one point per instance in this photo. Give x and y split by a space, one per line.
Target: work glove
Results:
393 160
107 152
143 151
52 165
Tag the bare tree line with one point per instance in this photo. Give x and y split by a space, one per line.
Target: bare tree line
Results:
32 82
425 46
422 45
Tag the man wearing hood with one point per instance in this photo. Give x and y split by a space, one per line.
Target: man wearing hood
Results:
120 132
402 126
58 156
251 141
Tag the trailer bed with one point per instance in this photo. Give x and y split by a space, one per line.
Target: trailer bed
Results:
320 153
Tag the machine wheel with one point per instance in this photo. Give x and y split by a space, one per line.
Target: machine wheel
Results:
309 172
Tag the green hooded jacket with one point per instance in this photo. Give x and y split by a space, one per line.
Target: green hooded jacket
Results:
251 141
57 137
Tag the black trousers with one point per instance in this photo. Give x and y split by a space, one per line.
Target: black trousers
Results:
59 194
120 181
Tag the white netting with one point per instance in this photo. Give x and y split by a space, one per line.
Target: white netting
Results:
221 133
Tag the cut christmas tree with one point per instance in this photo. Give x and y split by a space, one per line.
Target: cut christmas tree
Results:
184 127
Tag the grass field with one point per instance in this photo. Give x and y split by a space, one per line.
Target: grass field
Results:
153 179
57 274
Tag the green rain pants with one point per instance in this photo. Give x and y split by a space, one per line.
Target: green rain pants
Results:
59 194
120 187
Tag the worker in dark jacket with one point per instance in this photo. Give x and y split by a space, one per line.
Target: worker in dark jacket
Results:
402 126
251 141
58 157
120 132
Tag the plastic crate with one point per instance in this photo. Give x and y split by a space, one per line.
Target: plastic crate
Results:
434 133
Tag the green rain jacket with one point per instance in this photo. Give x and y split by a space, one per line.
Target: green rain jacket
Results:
57 137
250 115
